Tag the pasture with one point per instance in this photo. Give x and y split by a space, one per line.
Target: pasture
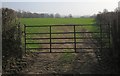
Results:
63 62
50 21
55 21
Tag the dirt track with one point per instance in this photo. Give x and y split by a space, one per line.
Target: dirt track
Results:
60 63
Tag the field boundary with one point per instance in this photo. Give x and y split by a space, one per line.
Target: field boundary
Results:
73 33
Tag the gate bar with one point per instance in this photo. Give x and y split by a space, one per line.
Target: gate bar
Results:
67 43
60 25
65 38
63 48
63 32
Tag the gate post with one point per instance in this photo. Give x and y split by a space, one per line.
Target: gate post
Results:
100 50
24 38
74 39
19 39
50 39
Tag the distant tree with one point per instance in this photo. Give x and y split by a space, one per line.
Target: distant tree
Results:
57 15
19 13
46 15
42 15
117 9
33 15
65 16
105 11
93 16
51 16
24 14
70 15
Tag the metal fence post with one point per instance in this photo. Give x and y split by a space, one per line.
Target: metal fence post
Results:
74 38
50 39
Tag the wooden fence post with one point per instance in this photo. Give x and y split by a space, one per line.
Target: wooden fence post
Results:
19 40
24 38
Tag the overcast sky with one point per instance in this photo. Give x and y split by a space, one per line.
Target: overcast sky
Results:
63 7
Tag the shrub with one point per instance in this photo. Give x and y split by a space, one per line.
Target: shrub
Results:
11 40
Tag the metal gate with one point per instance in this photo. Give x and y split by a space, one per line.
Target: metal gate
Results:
44 37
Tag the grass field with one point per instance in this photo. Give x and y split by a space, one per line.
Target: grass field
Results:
47 21
65 58
50 21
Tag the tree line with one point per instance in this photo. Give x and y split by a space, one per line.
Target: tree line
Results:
24 14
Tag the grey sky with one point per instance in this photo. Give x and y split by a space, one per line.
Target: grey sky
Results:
75 8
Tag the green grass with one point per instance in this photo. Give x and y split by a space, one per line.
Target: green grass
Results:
50 21
47 21
66 57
